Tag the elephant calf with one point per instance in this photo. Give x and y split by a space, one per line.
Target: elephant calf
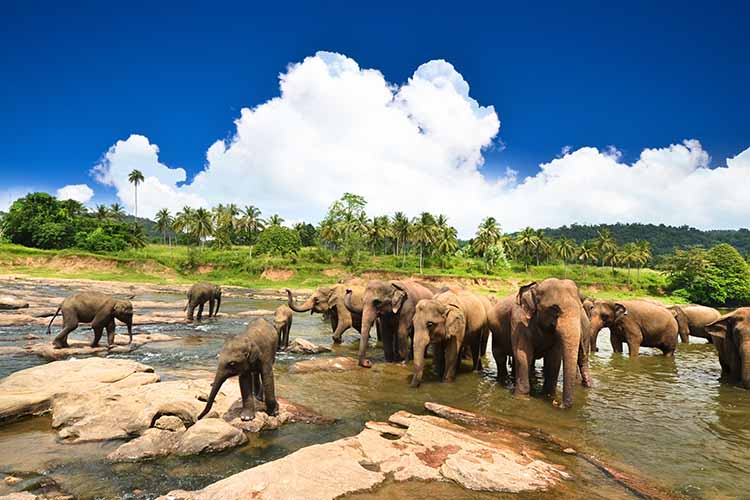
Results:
282 321
731 336
198 295
96 308
251 356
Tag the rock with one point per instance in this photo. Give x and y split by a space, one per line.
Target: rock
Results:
302 346
210 435
11 480
338 364
11 350
255 312
11 303
170 423
22 495
569 451
83 347
428 448
33 390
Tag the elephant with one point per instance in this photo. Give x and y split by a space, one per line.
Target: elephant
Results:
251 356
282 321
639 323
330 301
392 304
451 322
498 319
692 320
96 308
588 305
548 321
198 295
731 336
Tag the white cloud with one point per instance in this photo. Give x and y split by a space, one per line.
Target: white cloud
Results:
9 195
336 127
77 192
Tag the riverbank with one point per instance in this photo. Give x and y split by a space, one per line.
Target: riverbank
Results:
179 266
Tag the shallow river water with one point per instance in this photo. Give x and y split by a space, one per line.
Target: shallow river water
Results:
668 420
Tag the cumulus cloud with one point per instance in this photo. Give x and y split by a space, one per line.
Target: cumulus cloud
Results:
336 127
77 192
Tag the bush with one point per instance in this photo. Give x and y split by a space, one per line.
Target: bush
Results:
319 255
99 241
278 240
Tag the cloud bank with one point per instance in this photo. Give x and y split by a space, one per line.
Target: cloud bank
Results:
336 127
77 192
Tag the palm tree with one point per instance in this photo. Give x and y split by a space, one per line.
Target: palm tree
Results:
116 211
527 240
275 220
202 226
423 233
587 252
605 245
164 222
135 177
250 222
400 231
102 212
488 234
565 249
381 231
183 221
644 255
446 238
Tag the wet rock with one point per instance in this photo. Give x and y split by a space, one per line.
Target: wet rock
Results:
421 447
170 423
255 312
338 364
83 347
302 346
11 350
33 390
11 480
8 302
21 495
569 451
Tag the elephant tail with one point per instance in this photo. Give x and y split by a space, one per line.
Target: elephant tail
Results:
49 326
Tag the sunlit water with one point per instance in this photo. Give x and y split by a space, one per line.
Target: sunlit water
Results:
669 420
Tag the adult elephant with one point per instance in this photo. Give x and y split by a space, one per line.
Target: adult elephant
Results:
692 320
452 322
588 306
731 336
250 356
498 319
96 308
548 321
392 304
638 323
198 295
329 300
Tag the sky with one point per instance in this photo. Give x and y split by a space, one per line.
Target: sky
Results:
538 115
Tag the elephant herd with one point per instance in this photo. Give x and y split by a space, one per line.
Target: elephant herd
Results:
550 320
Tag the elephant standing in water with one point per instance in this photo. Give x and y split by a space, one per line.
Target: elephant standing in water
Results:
638 323
393 304
451 322
498 319
199 294
282 322
251 356
731 336
548 321
96 308
692 320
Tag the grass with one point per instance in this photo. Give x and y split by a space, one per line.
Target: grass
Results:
311 268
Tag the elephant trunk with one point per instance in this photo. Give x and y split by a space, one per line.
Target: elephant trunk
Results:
368 318
421 340
308 304
569 329
218 305
746 363
218 381
350 307
129 322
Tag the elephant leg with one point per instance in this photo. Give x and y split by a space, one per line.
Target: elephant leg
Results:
211 308
583 366
476 352
484 341
98 330
70 323
378 331
551 370
257 386
523 355
388 344
287 329
269 390
248 401
338 332
200 311
594 337
439 359
452 360
111 333
190 310
403 341
616 342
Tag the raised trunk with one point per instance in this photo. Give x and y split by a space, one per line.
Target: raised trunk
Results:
569 329
308 304
421 340
218 381
746 364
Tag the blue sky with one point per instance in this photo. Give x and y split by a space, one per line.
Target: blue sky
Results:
78 78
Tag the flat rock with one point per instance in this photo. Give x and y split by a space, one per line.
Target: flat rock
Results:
337 364
427 448
302 346
254 312
83 347
33 390
9 302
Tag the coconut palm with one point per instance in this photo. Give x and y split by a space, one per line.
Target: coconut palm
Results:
202 226
164 223
135 177
423 234
101 212
400 227
275 220
526 241
644 255
566 249
183 221
606 245
116 211
381 231
250 222
488 234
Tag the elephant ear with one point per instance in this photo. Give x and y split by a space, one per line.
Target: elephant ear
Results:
455 322
398 297
330 297
722 327
620 312
252 353
526 298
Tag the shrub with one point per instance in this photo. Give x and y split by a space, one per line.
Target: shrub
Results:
278 240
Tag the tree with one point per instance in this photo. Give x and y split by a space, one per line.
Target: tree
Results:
251 223
446 238
307 233
278 240
116 211
401 231
527 240
381 231
102 212
135 177
275 220
488 234
164 223
423 234
606 246
732 271
566 249
202 225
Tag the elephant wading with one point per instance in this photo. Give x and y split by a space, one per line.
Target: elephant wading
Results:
198 295
282 322
548 321
330 301
638 323
731 336
96 308
498 319
392 304
250 356
692 320
451 322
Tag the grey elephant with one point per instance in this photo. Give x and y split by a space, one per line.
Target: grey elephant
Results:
638 323
96 308
692 320
198 295
588 306
282 322
250 356
392 304
451 322
548 321
731 336
329 300
498 320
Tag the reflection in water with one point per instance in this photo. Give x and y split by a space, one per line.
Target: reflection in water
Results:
669 419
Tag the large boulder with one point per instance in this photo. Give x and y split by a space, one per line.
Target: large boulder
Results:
79 347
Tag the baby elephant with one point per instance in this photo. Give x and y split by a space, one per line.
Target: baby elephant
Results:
282 321
199 294
249 355
96 308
